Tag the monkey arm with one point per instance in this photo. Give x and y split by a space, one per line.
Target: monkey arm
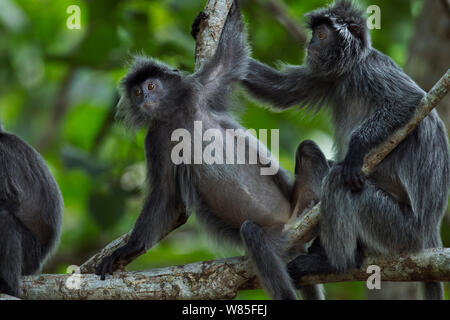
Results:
281 89
371 133
229 62
156 219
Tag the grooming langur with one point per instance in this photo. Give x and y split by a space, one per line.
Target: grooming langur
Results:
399 207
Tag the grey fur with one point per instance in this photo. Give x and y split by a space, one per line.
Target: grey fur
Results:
30 212
401 204
234 201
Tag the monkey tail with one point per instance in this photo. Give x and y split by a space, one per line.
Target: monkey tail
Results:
433 290
269 266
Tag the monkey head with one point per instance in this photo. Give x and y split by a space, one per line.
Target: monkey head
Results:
151 90
340 38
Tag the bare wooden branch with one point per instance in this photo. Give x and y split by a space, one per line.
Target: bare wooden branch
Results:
220 279
428 103
210 29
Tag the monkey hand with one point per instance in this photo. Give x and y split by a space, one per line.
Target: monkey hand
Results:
352 172
120 256
195 27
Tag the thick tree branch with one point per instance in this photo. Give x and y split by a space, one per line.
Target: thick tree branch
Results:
210 29
220 279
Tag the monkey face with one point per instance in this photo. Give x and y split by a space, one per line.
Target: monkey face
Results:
321 46
147 95
323 36
326 52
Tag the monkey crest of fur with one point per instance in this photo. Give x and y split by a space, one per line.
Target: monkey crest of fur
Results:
353 36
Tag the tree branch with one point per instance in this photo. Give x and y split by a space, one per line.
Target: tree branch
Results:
220 279
60 109
278 9
298 228
210 29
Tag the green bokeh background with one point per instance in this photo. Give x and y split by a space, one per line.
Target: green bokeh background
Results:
58 92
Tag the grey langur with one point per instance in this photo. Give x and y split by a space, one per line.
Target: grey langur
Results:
399 207
234 201
30 212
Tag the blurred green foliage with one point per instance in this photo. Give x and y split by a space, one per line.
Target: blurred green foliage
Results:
58 92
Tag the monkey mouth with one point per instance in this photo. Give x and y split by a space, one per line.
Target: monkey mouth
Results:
148 106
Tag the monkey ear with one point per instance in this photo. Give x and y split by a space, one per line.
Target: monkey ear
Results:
355 30
122 105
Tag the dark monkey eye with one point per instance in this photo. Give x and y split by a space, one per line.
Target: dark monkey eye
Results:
150 86
137 92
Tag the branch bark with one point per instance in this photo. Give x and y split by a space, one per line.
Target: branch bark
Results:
220 279
210 30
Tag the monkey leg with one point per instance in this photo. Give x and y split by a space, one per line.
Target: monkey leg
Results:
371 216
270 267
316 262
10 255
311 167
20 253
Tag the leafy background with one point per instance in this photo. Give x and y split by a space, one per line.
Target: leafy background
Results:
58 92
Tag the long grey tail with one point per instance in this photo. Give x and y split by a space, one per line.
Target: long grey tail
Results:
312 292
270 268
433 290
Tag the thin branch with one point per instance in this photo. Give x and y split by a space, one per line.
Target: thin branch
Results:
278 9
220 279
59 111
428 103
298 228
